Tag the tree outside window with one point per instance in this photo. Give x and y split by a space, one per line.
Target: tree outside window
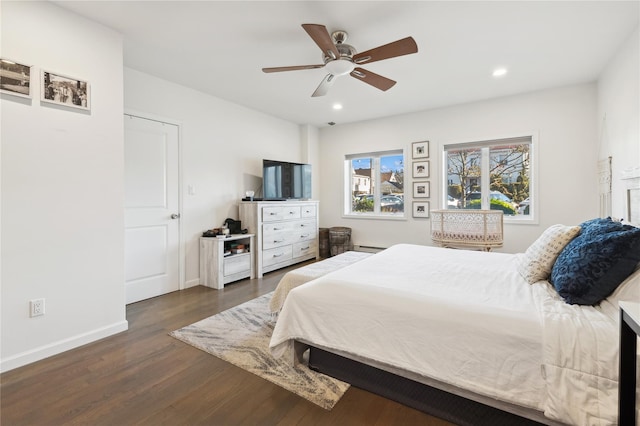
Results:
490 175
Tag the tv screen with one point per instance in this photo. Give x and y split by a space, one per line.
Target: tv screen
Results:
282 180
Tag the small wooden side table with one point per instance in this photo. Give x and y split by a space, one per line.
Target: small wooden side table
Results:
220 266
629 332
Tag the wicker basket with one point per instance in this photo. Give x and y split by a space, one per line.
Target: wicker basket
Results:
324 243
340 240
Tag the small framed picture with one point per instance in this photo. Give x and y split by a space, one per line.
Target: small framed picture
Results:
15 78
66 91
421 169
420 209
420 149
421 189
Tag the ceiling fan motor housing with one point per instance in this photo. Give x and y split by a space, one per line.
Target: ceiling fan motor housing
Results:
344 63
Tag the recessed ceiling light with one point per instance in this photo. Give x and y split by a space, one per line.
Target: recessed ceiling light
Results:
337 106
499 72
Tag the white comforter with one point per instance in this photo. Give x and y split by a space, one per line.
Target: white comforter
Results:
580 360
466 318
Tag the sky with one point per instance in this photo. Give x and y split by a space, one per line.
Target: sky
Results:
390 163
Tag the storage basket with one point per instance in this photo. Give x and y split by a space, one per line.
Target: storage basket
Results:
340 240
324 243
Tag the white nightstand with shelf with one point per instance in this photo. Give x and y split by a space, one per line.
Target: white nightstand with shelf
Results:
222 261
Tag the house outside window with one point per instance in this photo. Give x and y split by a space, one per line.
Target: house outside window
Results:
374 184
494 175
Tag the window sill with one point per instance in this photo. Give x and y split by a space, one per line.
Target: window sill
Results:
372 216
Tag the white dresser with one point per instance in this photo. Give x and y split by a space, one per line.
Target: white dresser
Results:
286 232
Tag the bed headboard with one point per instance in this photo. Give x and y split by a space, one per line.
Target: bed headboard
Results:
631 179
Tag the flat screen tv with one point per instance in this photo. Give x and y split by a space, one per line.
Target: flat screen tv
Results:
282 180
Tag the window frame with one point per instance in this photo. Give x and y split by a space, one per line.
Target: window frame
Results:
375 156
486 144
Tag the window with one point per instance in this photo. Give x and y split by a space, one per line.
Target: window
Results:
492 175
374 184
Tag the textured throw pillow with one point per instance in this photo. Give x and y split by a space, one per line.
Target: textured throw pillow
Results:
594 264
537 261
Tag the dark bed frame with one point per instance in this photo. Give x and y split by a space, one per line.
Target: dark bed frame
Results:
441 400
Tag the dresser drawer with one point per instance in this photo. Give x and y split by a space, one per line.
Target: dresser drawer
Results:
236 264
304 248
276 255
277 228
277 213
304 226
271 214
308 211
304 235
277 239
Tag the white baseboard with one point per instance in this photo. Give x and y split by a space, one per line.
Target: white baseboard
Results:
58 347
191 283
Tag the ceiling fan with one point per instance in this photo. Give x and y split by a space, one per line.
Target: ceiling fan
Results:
341 59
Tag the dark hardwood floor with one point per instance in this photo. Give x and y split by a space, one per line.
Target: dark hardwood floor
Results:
144 376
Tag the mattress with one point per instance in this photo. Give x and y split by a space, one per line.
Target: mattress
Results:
470 321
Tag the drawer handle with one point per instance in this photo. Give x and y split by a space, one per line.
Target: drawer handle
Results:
278 229
292 212
278 255
304 235
273 214
278 241
304 248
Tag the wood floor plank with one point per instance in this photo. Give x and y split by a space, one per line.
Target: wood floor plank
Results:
143 376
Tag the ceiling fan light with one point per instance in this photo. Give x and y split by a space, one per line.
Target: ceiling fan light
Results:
340 67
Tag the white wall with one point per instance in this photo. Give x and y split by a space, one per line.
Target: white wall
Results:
563 119
62 188
619 116
222 144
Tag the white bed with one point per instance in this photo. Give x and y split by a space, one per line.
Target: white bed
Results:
471 322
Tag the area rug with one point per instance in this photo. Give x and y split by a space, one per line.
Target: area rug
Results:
241 335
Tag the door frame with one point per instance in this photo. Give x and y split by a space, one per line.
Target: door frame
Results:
181 242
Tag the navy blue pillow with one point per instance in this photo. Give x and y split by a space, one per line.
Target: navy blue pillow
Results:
596 262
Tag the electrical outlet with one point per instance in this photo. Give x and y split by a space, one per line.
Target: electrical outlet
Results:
36 307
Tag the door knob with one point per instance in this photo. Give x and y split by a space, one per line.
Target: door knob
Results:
175 216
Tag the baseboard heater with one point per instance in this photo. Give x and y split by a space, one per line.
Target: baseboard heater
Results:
367 249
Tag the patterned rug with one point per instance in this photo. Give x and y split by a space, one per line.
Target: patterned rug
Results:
241 335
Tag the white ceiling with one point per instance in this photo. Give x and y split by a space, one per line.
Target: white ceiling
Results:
219 47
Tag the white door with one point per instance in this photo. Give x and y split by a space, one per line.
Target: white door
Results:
152 214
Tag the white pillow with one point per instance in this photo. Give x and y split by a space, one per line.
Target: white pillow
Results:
629 290
537 262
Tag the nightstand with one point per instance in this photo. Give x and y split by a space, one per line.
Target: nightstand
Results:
629 332
222 261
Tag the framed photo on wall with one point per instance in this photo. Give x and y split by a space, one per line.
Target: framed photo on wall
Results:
420 209
15 78
420 149
66 91
420 169
421 189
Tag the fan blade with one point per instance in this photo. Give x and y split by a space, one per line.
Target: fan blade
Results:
324 86
377 81
321 36
406 46
293 68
